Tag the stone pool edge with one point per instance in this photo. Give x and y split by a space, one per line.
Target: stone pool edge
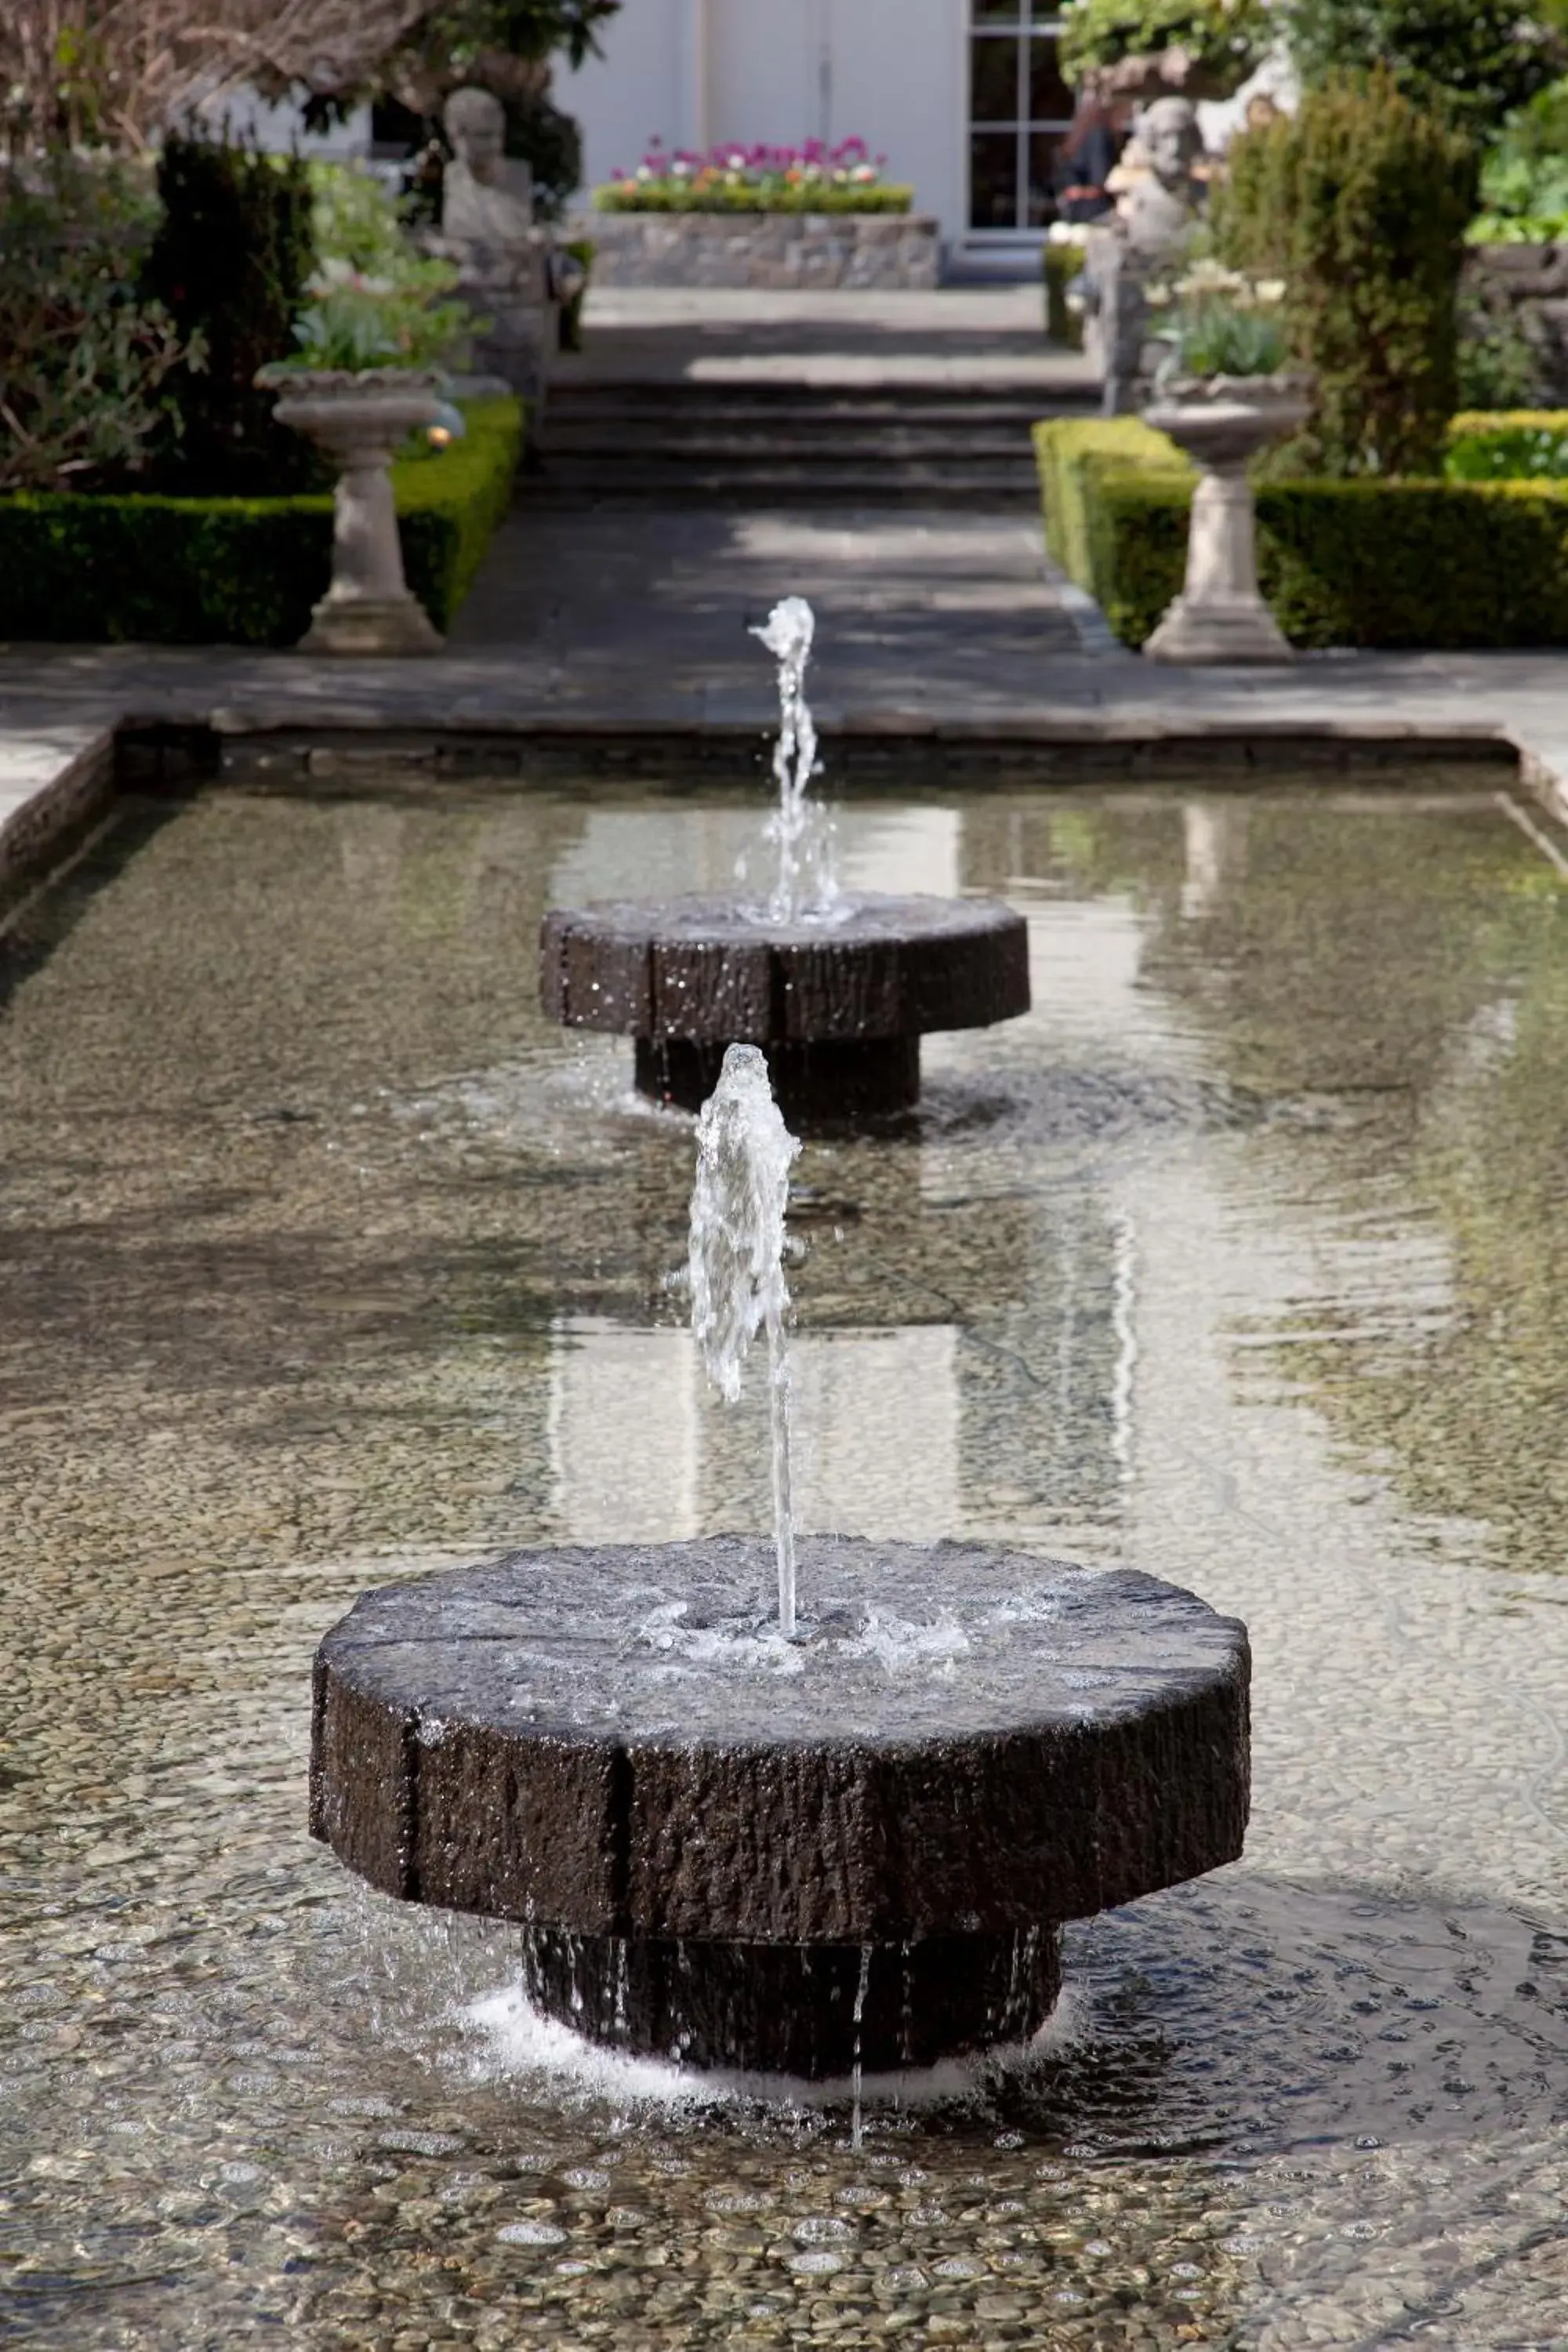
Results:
58 777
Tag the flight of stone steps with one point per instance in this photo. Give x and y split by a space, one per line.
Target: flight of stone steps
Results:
790 444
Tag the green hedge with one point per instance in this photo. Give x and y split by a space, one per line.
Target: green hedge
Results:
242 572
1358 563
1508 445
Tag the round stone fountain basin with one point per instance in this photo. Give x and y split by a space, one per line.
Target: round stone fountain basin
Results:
768 1855
838 1003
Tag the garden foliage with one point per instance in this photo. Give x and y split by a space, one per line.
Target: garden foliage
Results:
375 300
505 47
1518 446
1476 59
192 571
1360 204
731 178
86 358
1225 38
1340 562
1524 178
231 262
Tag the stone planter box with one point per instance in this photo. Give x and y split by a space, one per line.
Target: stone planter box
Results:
764 249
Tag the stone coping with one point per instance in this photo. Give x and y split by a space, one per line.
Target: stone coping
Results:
65 713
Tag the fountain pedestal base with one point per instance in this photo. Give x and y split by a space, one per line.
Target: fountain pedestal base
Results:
837 1078
837 1002
814 2010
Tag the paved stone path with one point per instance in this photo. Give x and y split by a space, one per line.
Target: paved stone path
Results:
960 336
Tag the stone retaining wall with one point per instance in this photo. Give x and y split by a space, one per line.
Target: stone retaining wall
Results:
764 249
1525 287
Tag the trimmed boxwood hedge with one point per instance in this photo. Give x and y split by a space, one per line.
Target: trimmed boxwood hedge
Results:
1360 562
241 572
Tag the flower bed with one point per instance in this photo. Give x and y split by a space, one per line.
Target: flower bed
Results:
245 572
734 179
1358 563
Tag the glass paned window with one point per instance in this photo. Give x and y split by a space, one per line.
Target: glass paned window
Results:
994 90
992 179
1019 107
1050 100
1040 196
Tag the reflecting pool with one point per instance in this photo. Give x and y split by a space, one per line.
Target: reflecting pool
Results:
1241 1259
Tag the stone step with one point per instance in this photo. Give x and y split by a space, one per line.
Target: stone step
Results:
569 485
839 400
894 445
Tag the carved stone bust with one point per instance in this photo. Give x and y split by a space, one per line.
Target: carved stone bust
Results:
1161 207
487 200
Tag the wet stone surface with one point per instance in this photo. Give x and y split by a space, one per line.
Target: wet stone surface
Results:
818 2012
616 1738
838 1001
1238 1261
850 1849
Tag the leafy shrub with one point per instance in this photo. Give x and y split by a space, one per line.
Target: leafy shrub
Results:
1528 445
1474 61
1062 259
890 199
582 250
1524 177
84 358
1226 39
231 259
540 134
1499 366
373 297
1359 203
1340 562
1219 321
230 570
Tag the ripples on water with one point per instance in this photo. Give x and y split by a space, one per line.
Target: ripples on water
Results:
1239 1260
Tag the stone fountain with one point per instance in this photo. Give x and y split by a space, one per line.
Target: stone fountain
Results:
835 988
830 1836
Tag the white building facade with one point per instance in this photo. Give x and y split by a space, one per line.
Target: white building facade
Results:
965 98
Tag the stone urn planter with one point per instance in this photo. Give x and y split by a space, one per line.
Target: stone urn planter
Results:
357 420
1222 422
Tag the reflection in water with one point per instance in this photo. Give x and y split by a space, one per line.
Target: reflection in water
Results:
641 1450
1240 1259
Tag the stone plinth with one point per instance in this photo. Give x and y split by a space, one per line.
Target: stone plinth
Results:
1222 423
690 1817
837 1005
765 249
358 421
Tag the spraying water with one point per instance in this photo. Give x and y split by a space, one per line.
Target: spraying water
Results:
744 1153
800 825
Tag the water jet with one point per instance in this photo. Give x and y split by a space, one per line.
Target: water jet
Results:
835 988
838 1834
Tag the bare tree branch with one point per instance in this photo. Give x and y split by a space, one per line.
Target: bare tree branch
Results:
121 71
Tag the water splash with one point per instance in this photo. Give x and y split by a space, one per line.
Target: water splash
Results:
800 826
744 1153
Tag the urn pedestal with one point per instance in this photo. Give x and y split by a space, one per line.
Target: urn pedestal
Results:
1222 422
357 422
